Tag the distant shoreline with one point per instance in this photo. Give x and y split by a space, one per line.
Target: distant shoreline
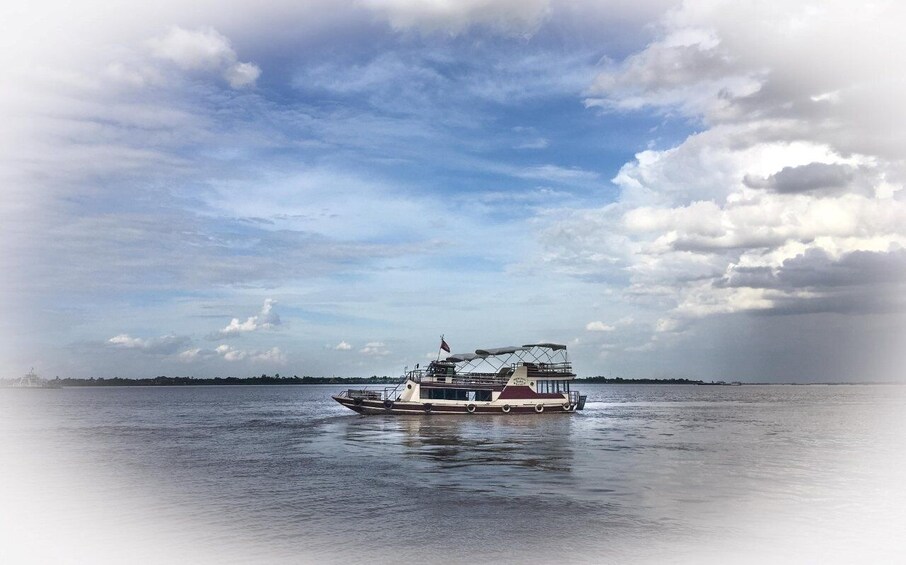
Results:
307 380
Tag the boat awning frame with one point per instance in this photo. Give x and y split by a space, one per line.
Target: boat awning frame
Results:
549 354
460 357
554 346
497 351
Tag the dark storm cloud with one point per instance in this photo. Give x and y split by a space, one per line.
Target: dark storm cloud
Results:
816 268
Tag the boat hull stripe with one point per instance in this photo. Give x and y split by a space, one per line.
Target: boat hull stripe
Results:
399 408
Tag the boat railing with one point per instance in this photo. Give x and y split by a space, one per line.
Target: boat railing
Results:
565 368
388 393
364 393
466 379
501 377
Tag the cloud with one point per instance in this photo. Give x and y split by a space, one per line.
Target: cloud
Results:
668 325
516 17
163 345
818 269
273 355
769 184
805 178
204 50
690 70
230 353
786 199
242 75
598 327
343 346
266 319
374 349
529 138
537 143
556 173
190 355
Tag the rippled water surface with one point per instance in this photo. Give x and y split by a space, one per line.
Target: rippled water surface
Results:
284 474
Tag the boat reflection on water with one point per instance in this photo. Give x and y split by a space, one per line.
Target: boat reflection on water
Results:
485 453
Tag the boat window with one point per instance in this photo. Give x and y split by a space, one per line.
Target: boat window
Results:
483 395
431 393
445 394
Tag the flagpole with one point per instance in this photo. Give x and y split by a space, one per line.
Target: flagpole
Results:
439 347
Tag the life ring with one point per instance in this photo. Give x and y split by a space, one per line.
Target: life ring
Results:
357 401
567 406
428 408
470 408
388 404
506 408
539 408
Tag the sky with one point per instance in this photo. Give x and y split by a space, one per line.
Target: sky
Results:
709 190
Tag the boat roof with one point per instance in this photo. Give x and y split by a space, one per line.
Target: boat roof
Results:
496 351
554 346
491 352
458 357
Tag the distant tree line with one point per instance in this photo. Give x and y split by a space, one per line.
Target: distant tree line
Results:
192 381
277 379
621 380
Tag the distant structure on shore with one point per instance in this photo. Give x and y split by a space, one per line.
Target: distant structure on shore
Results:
29 380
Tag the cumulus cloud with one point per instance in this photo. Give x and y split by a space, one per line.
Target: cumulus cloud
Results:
190 355
805 178
273 355
816 268
266 319
787 195
163 345
343 346
375 349
599 326
204 49
230 353
690 69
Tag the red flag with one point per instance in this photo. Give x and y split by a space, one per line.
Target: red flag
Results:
444 346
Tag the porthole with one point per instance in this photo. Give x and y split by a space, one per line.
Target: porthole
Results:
409 386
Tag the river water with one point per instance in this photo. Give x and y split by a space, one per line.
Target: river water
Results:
282 474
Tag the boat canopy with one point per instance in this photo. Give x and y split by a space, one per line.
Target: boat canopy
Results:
460 357
497 351
549 357
491 352
554 346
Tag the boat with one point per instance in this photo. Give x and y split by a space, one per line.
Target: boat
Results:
531 379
